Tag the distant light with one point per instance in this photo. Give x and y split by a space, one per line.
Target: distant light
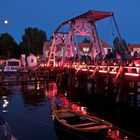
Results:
85 49
6 22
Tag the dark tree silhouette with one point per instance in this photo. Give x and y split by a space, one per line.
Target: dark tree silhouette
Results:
32 41
8 47
120 45
116 44
124 45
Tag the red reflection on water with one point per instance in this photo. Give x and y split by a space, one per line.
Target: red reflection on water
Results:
52 90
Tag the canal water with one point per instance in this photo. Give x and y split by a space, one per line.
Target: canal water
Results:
27 109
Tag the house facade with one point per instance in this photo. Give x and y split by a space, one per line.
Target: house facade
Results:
134 47
84 48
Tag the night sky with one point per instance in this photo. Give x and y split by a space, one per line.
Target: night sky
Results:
48 15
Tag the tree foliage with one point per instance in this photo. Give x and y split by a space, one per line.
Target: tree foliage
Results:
32 41
120 45
8 47
124 45
116 44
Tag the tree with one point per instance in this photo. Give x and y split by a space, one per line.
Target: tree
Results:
32 41
120 45
8 47
116 44
124 45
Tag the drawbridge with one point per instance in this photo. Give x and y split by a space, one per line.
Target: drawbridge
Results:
66 52
64 44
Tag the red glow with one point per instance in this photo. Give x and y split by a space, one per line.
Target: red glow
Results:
132 74
75 107
84 110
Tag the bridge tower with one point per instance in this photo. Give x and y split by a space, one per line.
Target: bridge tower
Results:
64 44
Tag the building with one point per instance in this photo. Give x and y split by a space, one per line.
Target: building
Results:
85 48
134 47
46 49
106 46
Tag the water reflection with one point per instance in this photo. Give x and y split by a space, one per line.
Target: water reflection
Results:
95 104
5 104
64 134
33 95
40 97
29 113
4 91
52 90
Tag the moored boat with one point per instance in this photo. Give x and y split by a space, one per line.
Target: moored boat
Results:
10 66
79 122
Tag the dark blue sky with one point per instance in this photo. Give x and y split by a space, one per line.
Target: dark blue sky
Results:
48 15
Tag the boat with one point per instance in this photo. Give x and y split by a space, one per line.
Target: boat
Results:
5 132
10 66
78 122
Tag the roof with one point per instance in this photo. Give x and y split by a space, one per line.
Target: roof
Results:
13 59
105 44
91 16
131 46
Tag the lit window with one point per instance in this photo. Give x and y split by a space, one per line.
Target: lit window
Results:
85 49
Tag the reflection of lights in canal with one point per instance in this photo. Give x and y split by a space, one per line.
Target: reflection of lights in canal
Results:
53 117
5 104
66 93
38 87
83 110
52 90
46 93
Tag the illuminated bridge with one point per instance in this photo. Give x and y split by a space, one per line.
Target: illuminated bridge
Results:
66 37
65 51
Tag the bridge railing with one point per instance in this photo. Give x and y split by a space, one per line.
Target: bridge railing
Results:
112 67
